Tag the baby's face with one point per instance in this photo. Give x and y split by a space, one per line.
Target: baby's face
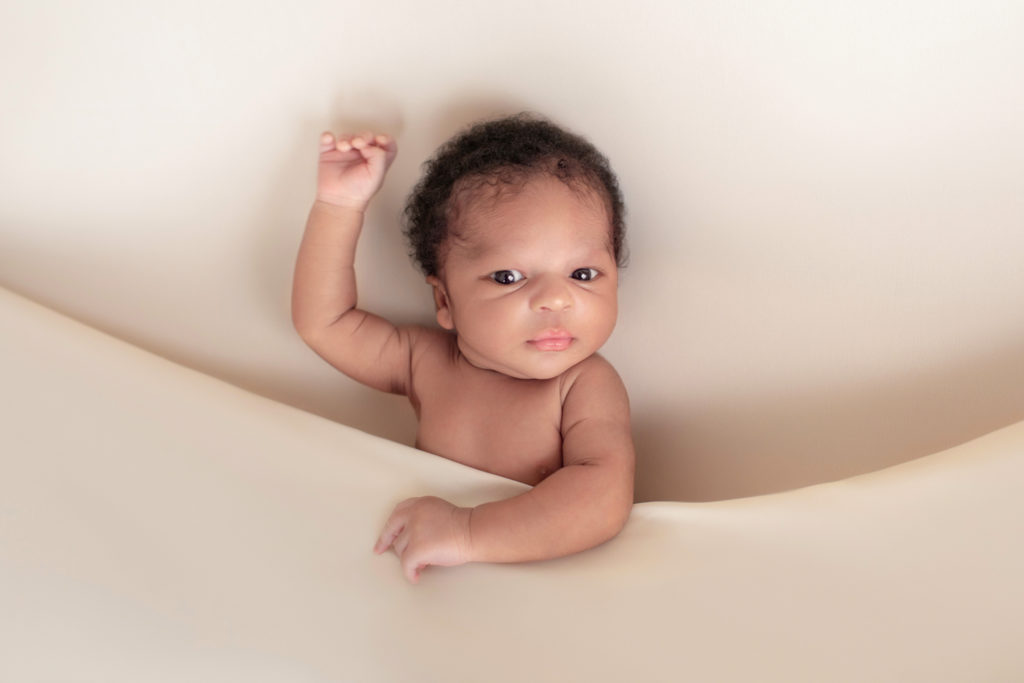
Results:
530 285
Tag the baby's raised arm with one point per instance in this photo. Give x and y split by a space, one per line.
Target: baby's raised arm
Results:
362 345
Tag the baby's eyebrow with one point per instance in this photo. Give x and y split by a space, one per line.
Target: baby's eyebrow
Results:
471 249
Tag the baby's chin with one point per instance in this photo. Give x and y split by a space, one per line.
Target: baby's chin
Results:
543 366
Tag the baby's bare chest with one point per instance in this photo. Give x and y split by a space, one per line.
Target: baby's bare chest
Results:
491 422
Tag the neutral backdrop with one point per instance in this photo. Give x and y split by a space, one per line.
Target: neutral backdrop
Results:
826 200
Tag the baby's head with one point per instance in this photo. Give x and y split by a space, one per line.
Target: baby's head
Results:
493 159
518 226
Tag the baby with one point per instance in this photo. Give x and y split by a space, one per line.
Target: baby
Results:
518 226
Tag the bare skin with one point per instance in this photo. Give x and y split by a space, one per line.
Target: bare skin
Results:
510 384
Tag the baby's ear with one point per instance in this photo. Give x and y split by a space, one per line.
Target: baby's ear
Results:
441 303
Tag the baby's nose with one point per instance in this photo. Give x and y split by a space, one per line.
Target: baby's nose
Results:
552 294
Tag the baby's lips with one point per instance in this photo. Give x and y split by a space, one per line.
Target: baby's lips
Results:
552 340
552 333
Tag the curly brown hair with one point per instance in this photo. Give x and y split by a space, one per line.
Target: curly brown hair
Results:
504 154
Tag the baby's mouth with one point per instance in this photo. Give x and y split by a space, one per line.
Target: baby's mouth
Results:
552 340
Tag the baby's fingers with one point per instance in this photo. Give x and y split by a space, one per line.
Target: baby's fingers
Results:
363 140
391 531
388 145
412 566
327 141
393 527
342 143
370 142
331 146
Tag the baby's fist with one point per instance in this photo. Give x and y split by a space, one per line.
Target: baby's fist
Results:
352 168
426 531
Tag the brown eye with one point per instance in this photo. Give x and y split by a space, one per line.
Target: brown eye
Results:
507 277
584 274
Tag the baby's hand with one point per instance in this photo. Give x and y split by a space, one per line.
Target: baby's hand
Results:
352 168
426 531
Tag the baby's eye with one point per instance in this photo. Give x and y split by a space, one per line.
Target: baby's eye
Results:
584 274
507 277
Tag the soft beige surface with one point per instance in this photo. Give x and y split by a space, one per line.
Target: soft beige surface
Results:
825 200
158 525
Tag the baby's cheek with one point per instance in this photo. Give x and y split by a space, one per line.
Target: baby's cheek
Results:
605 315
495 321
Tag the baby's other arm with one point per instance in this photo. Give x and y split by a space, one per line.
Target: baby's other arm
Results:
584 503
363 346
581 505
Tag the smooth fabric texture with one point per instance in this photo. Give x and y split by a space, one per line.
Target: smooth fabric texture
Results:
159 525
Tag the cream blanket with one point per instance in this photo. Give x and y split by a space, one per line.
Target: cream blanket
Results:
160 525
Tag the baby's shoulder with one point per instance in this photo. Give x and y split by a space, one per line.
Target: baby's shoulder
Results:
430 347
592 373
594 394
423 339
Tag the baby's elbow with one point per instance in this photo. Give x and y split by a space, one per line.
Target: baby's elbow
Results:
309 329
300 319
306 332
618 518
620 502
612 507
613 520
